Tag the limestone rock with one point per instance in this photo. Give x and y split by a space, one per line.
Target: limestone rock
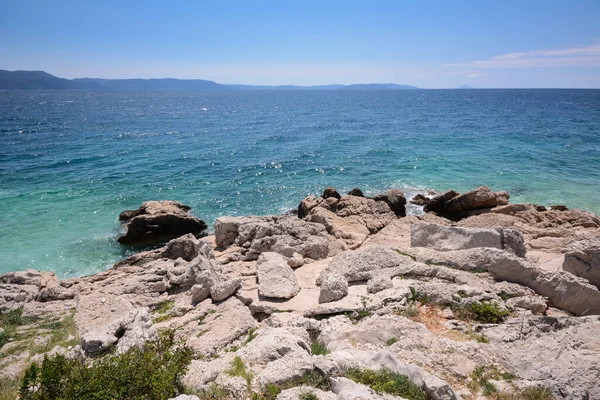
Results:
158 221
275 277
513 241
452 238
284 235
584 261
347 389
379 283
222 290
529 347
535 304
200 292
333 287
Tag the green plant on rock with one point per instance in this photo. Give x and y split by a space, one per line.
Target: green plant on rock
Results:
488 312
386 381
391 341
417 297
317 348
530 393
151 371
308 396
212 392
269 392
10 321
251 336
238 368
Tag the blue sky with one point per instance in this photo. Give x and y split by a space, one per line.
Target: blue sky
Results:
430 44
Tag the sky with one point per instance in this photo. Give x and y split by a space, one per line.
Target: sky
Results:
429 44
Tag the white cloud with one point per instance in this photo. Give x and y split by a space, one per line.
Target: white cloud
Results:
476 75
579 56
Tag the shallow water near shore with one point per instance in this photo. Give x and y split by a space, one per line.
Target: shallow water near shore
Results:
70 161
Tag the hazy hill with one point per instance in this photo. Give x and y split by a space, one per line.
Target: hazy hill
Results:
11 80
378 86
37 80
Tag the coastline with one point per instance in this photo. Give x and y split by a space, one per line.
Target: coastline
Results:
352 273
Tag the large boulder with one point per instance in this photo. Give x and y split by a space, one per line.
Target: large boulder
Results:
275 277
395 200
452 238
333 287
584 261
436 204
351 219
482 197
248 237
158 221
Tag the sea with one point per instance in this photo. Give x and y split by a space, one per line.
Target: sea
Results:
71 161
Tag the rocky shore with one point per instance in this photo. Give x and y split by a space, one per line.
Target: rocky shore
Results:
476 298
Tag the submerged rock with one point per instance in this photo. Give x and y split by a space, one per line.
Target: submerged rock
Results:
158 221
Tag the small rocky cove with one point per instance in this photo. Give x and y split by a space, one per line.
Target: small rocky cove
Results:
476 298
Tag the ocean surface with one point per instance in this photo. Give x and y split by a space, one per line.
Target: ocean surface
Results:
71 161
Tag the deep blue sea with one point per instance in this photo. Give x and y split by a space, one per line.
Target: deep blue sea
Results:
70 161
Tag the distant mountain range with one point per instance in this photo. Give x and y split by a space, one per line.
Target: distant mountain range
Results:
37 80
466 87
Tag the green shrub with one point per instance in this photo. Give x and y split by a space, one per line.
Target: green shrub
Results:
151 371
308 396
317 348
530 393
488 311
269 392
386 381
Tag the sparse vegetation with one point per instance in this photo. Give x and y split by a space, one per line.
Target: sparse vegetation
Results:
480 377
407 255
213 392
308 396
238 368
10 321
505 296
9 388
391 341
417 297
530 393
151 371
478 337
312 378
251 336
386 381
165 307
317 348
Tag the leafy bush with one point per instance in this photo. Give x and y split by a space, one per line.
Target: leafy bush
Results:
386 381
317 348
488 311
151 371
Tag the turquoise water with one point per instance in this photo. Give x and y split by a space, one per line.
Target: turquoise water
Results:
70 161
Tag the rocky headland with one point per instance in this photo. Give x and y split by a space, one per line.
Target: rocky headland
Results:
476 298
